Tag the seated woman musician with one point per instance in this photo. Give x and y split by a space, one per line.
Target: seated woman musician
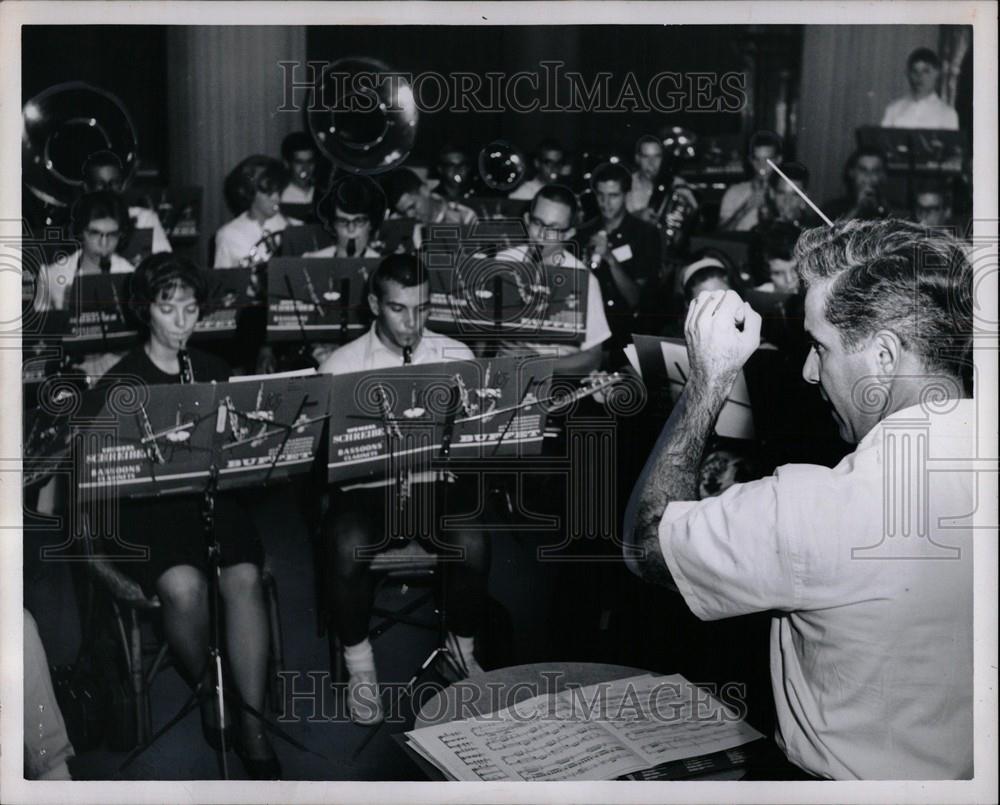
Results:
253 190
168 295
98 222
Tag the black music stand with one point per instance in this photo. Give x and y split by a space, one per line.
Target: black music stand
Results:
402 411
97 317
312 299
205 446
483 297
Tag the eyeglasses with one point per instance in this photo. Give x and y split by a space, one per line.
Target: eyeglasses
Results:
547 228
343 222
97 235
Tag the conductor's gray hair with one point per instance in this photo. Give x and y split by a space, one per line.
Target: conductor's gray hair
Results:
898 276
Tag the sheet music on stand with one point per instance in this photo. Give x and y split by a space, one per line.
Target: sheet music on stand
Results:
158 440
325 298
598 732
229 293
482 296
97 312
416 400
255 448
147 440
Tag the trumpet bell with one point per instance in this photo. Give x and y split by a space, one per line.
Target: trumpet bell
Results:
501 165
61 127
365 117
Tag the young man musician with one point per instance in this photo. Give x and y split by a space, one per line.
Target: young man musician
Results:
550 228
742 202
103 171
400 302
624 252
298 152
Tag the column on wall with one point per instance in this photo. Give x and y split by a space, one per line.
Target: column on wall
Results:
224 88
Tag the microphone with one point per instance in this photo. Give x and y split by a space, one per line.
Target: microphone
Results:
105 264
351 247
407 355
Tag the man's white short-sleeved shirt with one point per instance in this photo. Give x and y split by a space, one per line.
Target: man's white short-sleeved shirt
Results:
871 640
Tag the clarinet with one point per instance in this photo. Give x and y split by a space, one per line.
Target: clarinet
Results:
187 370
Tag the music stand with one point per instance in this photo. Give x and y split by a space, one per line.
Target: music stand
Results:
97 319
484 297
317 298
298 240
229 294
176 448
386 423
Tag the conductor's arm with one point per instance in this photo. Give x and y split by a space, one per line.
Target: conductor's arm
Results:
722 332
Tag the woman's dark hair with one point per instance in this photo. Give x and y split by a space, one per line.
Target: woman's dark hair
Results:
94 206
258 172
158 276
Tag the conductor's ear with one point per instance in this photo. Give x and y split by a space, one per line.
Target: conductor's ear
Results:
373 304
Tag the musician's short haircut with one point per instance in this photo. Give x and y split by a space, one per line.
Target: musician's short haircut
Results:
646 139
898 276
94 206
560 194
794 171
768 138
405 269
923 55
296 141
399 183
100 159
257 172
156 279
612 172
778 241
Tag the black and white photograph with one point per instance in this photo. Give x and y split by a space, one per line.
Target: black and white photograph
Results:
501 402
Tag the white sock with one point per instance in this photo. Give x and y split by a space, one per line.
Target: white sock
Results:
466 647
359 657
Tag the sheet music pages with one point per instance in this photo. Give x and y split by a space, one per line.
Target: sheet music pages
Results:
594 733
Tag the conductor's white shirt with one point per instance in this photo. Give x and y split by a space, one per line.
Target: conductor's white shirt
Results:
867 568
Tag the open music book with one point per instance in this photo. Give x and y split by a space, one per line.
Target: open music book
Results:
598 732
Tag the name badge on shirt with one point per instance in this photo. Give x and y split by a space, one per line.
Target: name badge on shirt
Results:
622 253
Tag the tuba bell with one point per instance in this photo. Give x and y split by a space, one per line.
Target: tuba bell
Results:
61 127
363 117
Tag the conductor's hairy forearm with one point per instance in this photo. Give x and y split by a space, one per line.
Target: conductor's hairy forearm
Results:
671 473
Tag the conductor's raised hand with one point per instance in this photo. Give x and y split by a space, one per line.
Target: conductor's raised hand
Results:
722 332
